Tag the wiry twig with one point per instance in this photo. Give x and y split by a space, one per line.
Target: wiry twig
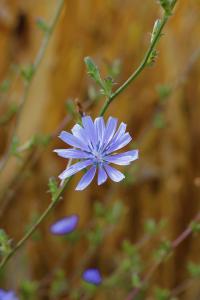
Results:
35 67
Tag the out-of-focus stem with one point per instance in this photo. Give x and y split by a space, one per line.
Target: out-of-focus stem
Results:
36 64
141 67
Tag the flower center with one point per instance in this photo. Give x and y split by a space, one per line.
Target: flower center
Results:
98 156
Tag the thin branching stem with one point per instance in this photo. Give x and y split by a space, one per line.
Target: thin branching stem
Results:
142 66
33 228
38 59
60 191
180 239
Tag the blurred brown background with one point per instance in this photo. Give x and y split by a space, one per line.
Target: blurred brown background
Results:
167 179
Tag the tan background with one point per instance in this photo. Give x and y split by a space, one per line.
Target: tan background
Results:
167 182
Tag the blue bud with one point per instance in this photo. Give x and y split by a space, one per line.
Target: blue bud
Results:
92 276
65 225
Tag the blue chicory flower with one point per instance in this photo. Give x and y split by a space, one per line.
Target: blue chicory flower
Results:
7 295
94 145
65 225
92 276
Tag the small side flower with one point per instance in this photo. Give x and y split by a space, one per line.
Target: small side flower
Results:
65 225
92 276
8 295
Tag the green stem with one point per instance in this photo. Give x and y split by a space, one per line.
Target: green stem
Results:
141 67
33 228
39 57
105 107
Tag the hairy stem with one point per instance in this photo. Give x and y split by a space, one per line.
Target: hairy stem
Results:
141 67
33 228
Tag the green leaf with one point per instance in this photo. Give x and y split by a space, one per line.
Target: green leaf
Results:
59 284
71 107
114 213
166 5
107 89
7 116
99 209
136 281
28 290
28 72
42 25
163 250
5 243
195 226
95 236
14 146
161 294
159 121
93 71
114 68
53 187
4 86
150 226
89 288
155 29
164 91
194 269
129 248
152 58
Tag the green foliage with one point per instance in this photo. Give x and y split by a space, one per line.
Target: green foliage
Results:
59 284
107 86
73 237
129 248
161 294
132 261
194 269
36 236
152 58
155 29
5 243
26 146
95 236
4 86
7 116
93 71
195 226
71 107
28 290
114 69
42 25
159 121
53 187
112 214
14 146
136 281
89 288
28 72
163 250
166 5
131 174
150 226
99 209
164 91
42 140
